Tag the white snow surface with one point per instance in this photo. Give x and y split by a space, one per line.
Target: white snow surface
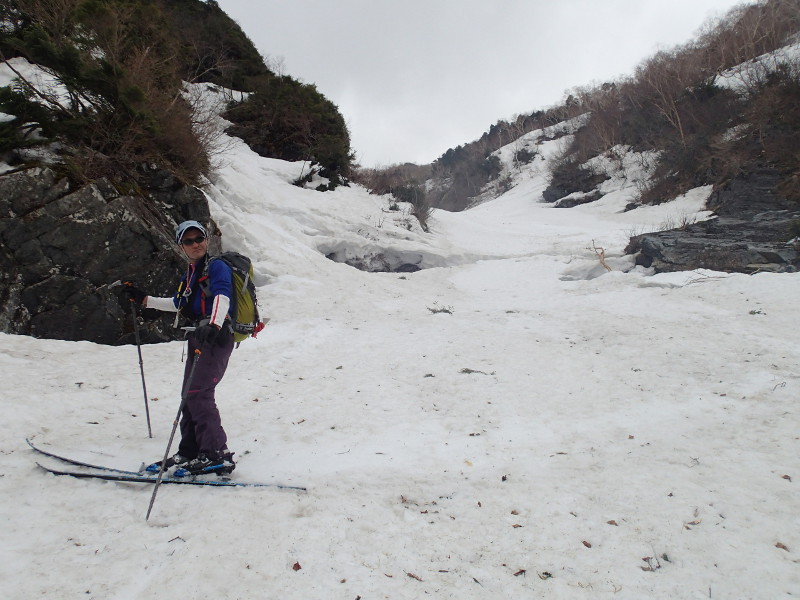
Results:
43 80
751 75
512 421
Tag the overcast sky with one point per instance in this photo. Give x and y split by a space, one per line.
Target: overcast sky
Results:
416 77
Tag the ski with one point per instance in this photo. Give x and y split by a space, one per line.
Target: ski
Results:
137 478
112 474
78 463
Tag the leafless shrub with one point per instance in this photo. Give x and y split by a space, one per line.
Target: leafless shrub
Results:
748 31
207 126
643 188
671 103
604 129
52 15
666 78
438 309
404 182
276 64
382 180
601 255
118 104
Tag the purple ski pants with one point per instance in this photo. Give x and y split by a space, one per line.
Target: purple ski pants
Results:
201 425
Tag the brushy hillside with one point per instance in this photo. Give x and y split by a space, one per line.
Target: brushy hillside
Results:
678 103
120 68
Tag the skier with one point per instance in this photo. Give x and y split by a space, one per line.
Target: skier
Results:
203 297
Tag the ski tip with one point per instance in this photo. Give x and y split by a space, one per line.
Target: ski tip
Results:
47 469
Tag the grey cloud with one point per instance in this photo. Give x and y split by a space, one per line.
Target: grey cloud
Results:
414 78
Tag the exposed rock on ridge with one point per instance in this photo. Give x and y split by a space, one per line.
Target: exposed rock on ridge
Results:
752 232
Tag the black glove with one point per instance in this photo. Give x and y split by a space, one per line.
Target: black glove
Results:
150 314
130 293
206 334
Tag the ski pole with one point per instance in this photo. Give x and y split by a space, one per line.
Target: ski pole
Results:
184 396
138 348
141 366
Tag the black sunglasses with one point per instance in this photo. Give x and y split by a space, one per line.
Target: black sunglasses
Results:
195 240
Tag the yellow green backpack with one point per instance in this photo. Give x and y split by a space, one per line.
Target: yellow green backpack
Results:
244 303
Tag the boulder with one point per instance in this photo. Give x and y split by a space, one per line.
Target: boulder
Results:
578 198
62 246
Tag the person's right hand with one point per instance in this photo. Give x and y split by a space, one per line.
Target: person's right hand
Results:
131 293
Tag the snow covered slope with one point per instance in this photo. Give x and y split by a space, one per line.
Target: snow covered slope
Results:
511 421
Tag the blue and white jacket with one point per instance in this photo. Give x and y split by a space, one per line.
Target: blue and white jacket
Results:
192 301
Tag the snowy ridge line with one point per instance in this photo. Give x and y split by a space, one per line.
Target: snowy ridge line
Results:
136 478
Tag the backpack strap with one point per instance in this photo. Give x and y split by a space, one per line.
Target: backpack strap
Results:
204 283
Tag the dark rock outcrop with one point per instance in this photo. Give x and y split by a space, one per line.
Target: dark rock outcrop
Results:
752 231
578 198
61 245
570 178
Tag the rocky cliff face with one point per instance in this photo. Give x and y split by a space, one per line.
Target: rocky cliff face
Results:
61 245
752 232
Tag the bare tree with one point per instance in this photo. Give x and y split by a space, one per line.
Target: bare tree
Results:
667 76
276 64
53 15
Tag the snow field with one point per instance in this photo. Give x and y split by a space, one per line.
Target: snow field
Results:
554 433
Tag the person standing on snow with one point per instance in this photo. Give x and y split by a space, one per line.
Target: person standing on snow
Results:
203 297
